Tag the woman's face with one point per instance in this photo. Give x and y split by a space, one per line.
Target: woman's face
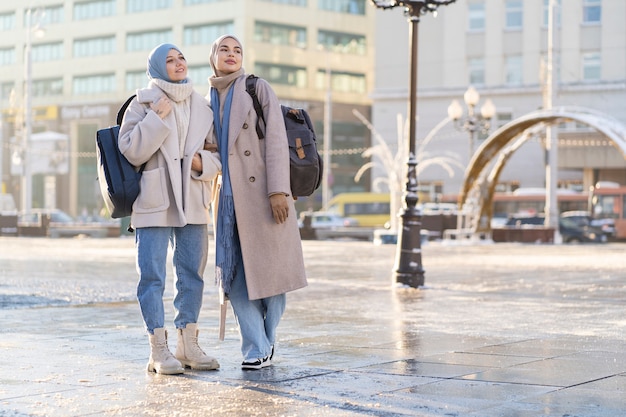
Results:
229 56
176 65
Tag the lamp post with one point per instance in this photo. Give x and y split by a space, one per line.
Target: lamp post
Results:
408 265
473 123
27 191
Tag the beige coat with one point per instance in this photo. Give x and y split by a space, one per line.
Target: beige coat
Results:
170 194
272 253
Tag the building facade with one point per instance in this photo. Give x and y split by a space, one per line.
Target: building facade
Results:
500 47
87 56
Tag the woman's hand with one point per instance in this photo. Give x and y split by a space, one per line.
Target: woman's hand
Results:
162 107
196 162
280 208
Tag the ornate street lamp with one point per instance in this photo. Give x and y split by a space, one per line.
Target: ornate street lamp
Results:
473 123
408 267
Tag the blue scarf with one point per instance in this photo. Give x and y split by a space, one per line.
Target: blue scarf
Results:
227 247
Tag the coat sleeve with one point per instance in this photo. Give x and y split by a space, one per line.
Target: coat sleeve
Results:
141 134
276 145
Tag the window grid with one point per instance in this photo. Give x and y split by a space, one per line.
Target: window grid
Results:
513 70
137 6
280 34
476 17
282 74
342 42
592 11
198 74
7 56
136 79
476 67
47 52
145 41
514 16
546 10
343 6
48 87
591 67
344 82
94 9
206 34
7 21
94 84
94 46
52 15
302 3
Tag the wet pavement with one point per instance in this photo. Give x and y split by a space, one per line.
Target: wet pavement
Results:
499 330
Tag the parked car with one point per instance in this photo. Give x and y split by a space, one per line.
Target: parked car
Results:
583 218
8 215
324 225
571 230
56 223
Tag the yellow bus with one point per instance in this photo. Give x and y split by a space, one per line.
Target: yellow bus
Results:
369 209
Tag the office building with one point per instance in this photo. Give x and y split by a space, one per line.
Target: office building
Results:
87 56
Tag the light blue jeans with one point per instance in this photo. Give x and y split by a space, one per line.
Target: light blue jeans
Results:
190 245
257 319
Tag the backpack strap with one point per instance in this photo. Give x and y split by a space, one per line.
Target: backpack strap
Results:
122 110
120 117
251 89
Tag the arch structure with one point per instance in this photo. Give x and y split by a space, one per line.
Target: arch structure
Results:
483 171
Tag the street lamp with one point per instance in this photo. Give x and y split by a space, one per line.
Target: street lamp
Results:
408 266
473 123
27 191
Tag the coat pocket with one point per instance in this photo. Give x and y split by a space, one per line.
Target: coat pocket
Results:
153 194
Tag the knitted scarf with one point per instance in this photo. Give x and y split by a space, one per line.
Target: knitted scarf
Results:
227 247
179 93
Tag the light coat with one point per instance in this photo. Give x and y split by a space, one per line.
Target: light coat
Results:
171 194
272 253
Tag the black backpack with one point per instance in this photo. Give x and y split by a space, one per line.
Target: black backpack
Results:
118 178
306 165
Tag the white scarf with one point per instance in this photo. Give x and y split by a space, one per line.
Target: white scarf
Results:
180 94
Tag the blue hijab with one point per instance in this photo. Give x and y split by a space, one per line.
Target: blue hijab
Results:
157 62
227 247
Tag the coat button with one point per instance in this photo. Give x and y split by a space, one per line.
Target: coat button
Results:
247 153
252 179
245 125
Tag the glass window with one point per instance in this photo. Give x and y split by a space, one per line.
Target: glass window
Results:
48 87
591 67
94 9
136 79
280 34
302 3
513 66
282 74
136 6
47 52
191 2
592 11
198 75
476 67
52 15
93 84
206 34
514 14
342 6
7 21
476 16
546 9
342 42
7 56
145 41
342 82
94 46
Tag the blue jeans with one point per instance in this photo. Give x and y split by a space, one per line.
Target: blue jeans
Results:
257 319
190 245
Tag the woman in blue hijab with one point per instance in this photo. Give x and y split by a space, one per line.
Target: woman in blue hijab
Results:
167 127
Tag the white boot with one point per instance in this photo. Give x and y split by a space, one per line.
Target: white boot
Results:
188 351
161 359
